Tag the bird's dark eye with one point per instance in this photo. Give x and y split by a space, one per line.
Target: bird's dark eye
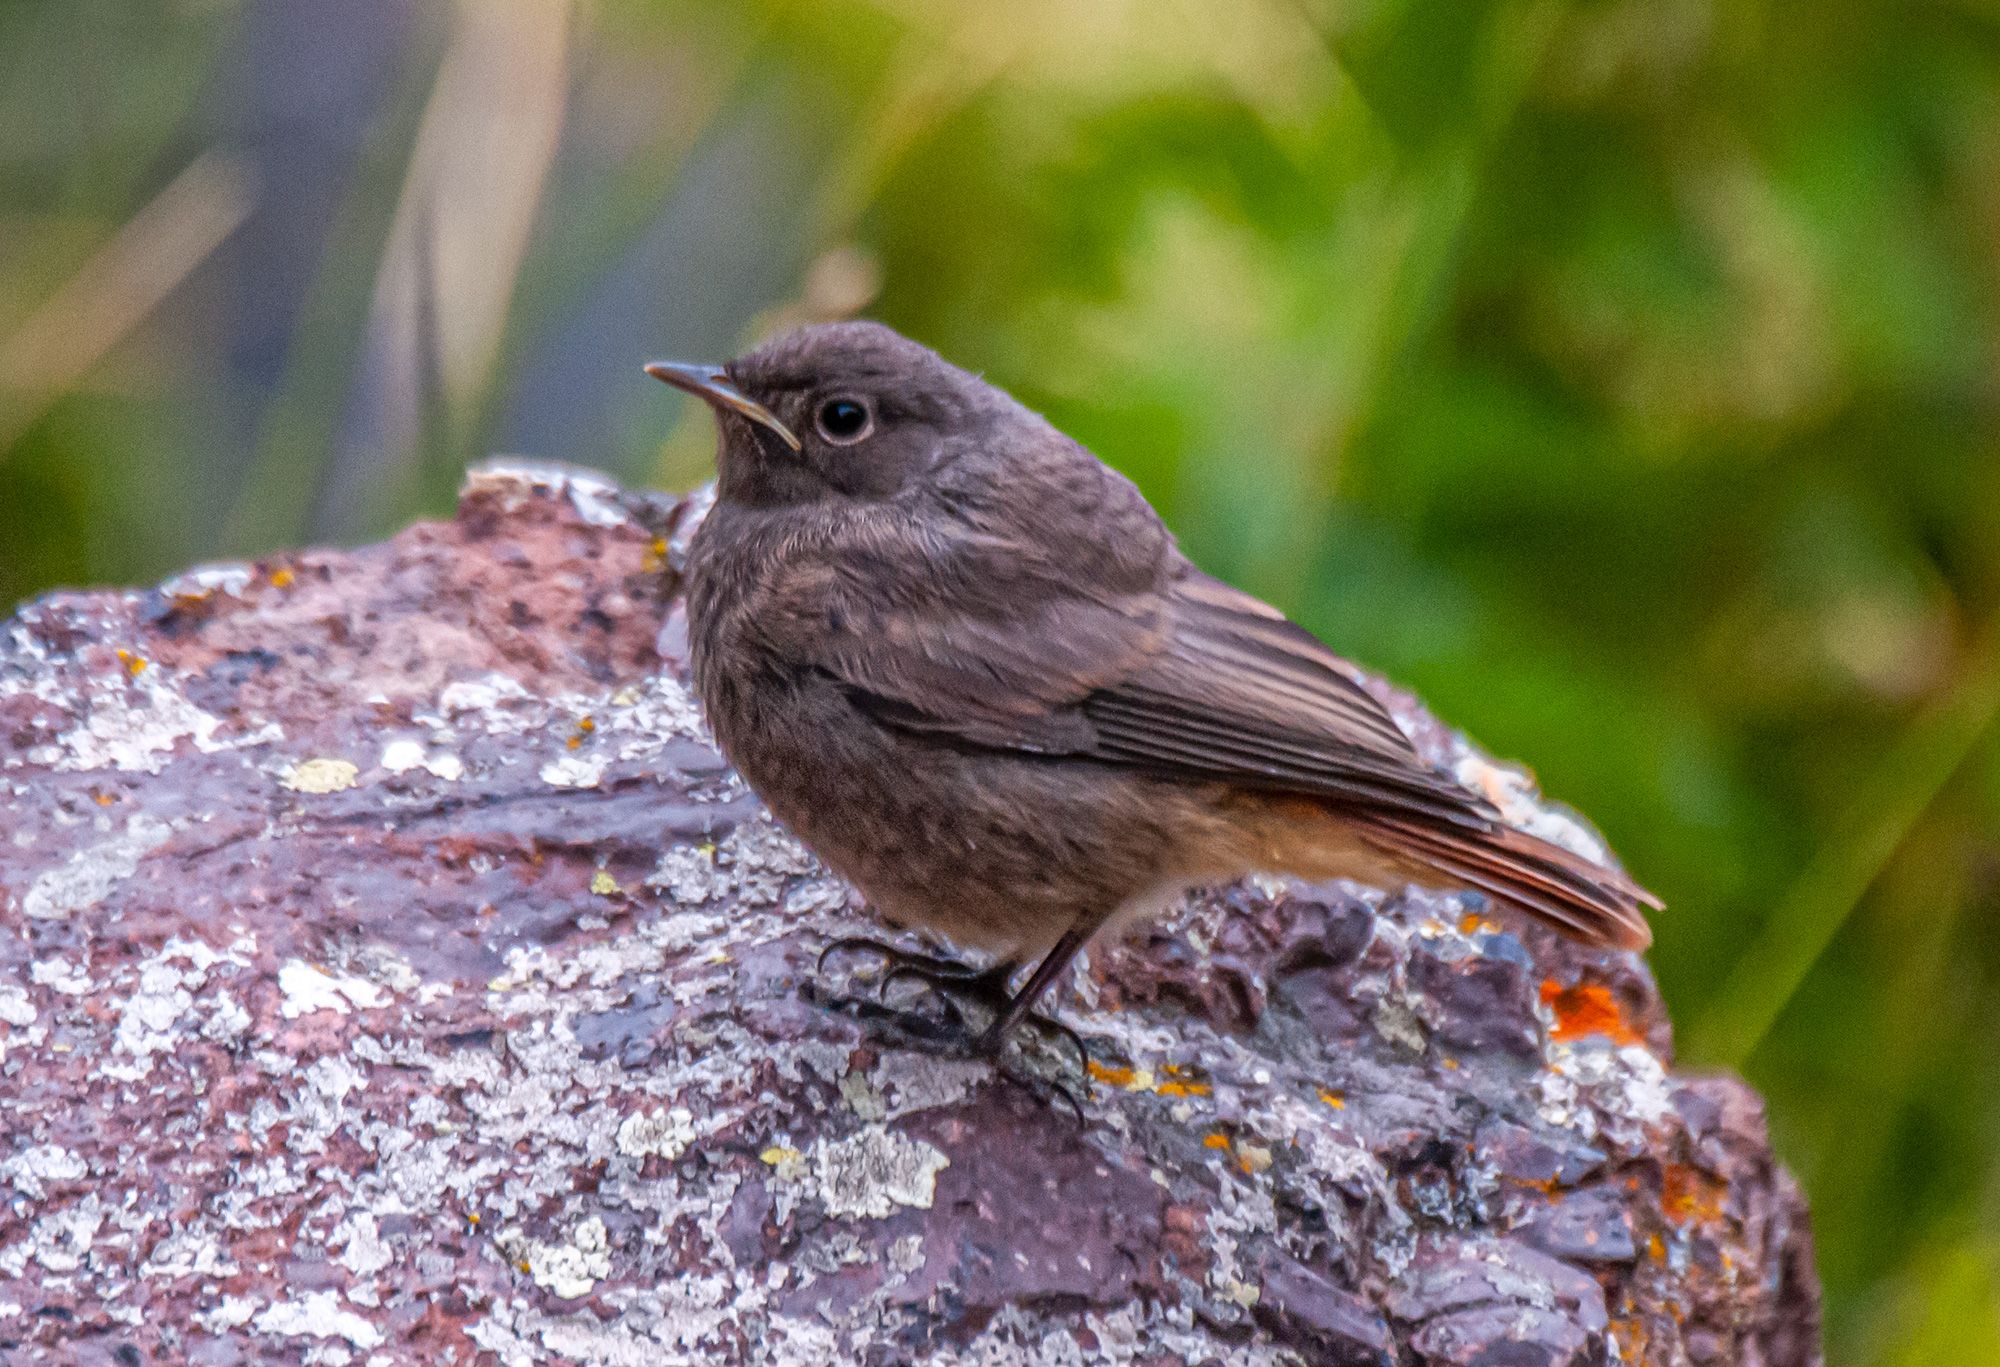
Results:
844 421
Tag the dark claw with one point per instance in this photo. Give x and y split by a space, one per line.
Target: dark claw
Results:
985 987
857 944
950 1032
928 968
1049 1025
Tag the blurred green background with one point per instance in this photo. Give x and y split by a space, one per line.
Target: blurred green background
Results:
1623 375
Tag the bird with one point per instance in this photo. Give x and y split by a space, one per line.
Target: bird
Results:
967 664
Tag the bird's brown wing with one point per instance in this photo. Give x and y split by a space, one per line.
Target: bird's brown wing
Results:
1200 681
1244 696
1240 694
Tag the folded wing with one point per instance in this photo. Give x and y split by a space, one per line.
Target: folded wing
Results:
1196 680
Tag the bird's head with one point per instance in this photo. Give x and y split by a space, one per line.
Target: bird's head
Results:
837 410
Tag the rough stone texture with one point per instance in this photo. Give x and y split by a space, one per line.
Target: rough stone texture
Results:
390 971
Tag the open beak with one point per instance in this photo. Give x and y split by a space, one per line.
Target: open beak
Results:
712 384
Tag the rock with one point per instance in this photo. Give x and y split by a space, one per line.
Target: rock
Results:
391 971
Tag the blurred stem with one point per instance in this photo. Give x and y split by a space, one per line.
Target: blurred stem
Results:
1916 1004
122 284
1887 806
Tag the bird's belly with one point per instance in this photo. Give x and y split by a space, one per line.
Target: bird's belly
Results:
998 851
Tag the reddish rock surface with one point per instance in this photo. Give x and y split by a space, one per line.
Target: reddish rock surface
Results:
391 971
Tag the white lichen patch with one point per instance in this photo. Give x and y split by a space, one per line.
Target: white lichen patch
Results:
147 1020
636 722
911 1082
404 754
189 1252
570 1269
308 989
401 756
686 873
133 725
59 975
233 1313
33 1170
62 1239
861 1097
16 1007
200 582
574 771
318 1314
321 775
511 481
151 1021
359 1239
1596 1087
665 1133
1400 1025
870 1174
89 875
483 698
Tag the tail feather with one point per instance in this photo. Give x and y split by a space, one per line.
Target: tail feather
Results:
1580 898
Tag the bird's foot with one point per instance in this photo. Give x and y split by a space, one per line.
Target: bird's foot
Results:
933 1017
940 1013
955 985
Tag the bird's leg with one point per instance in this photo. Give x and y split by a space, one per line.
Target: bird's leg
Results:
1021 1006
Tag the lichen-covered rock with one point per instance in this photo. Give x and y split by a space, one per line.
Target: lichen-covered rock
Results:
391 971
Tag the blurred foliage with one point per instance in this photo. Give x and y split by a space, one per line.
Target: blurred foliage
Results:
1623 375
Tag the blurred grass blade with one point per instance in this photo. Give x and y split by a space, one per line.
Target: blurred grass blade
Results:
118 287
1820 902
483 151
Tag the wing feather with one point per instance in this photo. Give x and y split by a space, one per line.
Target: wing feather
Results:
1199 681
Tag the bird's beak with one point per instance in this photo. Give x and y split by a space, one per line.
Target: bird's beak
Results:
712 384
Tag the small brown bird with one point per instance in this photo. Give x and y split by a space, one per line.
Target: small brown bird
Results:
964 661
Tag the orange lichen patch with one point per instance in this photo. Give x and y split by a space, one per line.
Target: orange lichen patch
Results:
1587 1009
135 665
1110 1075
1472 923
1217 1140
1656 1248
104 799
281 578
1174 1087
1687 1194
1633 1342
1333 1099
